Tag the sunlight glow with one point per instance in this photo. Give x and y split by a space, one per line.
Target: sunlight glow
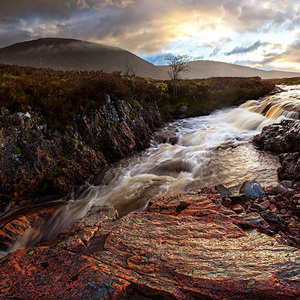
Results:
282 64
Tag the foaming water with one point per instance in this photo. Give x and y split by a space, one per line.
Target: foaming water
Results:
286 104
209 150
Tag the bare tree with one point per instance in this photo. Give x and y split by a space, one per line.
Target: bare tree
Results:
178 63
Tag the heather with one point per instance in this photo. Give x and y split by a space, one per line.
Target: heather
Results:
59 96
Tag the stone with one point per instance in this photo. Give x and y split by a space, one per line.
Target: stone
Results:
237 208
276 189
290 166
265 204
287 183
251 188
226 201
223 190
259 207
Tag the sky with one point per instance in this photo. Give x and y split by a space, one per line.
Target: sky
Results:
256 33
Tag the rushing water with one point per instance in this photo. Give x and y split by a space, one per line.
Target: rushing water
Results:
202 151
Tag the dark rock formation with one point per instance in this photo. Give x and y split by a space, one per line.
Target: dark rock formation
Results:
281 138
35 162
185 246
290 166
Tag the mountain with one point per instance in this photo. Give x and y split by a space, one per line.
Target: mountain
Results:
76 55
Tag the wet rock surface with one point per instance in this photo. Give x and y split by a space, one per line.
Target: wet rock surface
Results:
281 138
36 162
185 246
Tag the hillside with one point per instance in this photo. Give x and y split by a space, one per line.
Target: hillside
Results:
76 55
209 69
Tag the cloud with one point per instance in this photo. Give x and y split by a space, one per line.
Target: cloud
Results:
289 60
253 47
149 27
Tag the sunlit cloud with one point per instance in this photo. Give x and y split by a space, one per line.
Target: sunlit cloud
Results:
226 30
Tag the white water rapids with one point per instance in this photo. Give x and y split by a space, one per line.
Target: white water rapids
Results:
209 150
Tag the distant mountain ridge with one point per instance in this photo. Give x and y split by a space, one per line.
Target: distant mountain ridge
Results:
77 55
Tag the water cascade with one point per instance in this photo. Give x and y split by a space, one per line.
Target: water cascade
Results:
202 151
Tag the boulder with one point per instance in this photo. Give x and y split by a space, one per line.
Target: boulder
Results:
251 188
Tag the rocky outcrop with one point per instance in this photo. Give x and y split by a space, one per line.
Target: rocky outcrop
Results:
290 166
280 138
283 138
35 161
185 246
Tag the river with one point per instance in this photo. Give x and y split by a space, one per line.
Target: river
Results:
196 152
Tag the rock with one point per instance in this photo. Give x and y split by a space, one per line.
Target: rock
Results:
226 201
290 166
265 204
166 137
182 109
276 189
287 183
238 199
35 162
237 208
184 246
276 222
223 190
283 138
280 138
251 188
259 207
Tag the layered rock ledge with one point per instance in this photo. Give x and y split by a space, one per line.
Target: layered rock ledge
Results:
185 246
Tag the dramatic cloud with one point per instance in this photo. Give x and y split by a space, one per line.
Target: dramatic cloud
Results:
218 29
251 48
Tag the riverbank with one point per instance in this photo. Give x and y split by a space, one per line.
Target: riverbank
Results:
59 129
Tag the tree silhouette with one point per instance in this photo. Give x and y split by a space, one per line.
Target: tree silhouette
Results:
178 63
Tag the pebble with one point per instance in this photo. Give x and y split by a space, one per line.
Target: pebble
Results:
226 201
265 204
287 183
237 208
259 207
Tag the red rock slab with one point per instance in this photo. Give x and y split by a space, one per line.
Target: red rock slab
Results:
185 246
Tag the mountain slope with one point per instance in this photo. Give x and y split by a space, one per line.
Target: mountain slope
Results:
76 55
